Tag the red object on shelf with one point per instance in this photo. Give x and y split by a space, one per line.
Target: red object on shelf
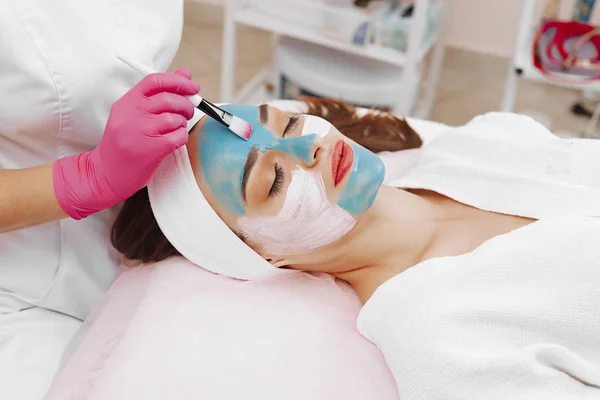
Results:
567 51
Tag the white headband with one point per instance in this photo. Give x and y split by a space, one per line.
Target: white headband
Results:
192 226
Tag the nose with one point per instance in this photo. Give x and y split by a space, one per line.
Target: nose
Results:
306 149
315 153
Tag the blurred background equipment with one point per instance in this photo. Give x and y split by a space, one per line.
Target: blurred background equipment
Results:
560 48
476 41
369 53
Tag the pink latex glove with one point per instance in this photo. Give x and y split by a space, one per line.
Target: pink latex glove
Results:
144 126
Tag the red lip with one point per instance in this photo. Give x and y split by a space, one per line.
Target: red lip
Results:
342 158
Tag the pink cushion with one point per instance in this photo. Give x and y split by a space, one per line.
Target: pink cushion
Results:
173 330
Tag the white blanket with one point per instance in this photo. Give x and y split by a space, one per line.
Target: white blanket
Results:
519 317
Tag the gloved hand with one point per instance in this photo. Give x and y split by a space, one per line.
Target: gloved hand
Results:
144 126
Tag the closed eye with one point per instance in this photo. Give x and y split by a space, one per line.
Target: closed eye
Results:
277 182
291 125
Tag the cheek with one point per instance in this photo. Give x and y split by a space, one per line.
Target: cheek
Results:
306 222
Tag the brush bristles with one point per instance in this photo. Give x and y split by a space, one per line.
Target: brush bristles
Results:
241 128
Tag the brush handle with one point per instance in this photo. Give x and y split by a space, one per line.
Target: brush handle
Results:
215 112
145 70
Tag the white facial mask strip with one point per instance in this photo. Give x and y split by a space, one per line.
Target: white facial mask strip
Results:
307 221
313 124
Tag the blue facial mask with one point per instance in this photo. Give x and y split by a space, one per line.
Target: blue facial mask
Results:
223 155
366 176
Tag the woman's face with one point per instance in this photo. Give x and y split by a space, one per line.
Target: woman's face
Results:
296 186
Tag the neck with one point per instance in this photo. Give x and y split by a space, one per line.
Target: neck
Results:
391 237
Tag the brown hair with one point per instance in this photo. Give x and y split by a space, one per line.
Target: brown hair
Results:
137 236
377 130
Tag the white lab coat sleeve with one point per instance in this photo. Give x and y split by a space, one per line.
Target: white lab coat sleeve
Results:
31 343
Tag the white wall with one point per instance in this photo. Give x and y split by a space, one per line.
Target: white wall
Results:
490 26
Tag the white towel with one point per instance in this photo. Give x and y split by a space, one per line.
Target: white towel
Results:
519 317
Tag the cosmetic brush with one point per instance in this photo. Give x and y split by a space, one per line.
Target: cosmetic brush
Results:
236 125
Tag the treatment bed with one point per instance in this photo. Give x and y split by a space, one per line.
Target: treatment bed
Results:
174 330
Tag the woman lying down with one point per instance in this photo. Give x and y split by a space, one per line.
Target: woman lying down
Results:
479 269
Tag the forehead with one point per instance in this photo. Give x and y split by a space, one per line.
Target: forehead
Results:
223 155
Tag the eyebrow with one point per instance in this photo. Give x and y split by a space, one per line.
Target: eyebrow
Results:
264 113
250 162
